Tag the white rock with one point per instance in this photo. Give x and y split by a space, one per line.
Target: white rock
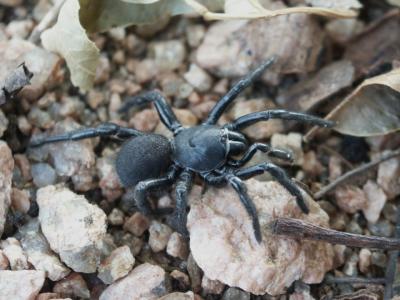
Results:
159 236
20 285
19 28
198 78
376 199
364 260
6 172
223 244
74 228
116 217
350 198
117 265
177 246
109 182
16 256
144 282
291 141
389 177
168 55
39 253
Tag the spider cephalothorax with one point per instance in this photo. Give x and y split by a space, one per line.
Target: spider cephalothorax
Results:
148 161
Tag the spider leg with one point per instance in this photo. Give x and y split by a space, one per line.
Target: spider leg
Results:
104 129
266 115
251 151
142 187
165 112
183 187
243 83
280 176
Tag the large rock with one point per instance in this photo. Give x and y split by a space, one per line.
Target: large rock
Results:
20 285
6 169
74 228
223 244
144 282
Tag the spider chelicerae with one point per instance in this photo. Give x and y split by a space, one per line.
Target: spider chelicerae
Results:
147 161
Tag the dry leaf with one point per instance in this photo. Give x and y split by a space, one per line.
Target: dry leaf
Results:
69 39
372 109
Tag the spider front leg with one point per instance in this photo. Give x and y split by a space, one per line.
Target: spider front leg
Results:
165 112
279 175
103 130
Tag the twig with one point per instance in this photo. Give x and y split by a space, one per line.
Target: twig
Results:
340 180
302 230
392 264
355 280
14 82
45 23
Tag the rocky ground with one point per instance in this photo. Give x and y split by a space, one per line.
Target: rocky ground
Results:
66 231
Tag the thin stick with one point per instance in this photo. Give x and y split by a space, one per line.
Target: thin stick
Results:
392 264
45 23
355 280
299 229
361 169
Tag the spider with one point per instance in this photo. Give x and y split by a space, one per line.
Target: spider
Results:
147 161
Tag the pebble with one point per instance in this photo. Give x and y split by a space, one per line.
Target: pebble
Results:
109 183
117 265
4 263
311 165
6 173
364 261
73 286
146 281
22 162
350 198
3 123
335 167
116 217
198 78
195 273
223 244
137 224
376 199
74 228
177 246
43 174
11 3
145 70
350 267
342 30
179 296
379 259
47 296
16 256
389 177
212 286
39 253
145 120
168 55
20 200
182 279
22 285
103 70
19 29
159 236
235 294
381 228
133 242
291 141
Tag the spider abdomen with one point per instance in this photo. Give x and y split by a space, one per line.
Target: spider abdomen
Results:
143 157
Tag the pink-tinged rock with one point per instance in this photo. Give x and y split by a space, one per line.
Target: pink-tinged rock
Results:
198 78
20 285
159 236
16 256
350 198
376 199
4 263
212 286
335 167
177 246
389 177
74 228
20 200
117 265
364 261
6 170
73 286
137 224
109 183
223 244
146 281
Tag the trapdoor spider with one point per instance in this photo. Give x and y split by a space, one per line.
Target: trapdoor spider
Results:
147 161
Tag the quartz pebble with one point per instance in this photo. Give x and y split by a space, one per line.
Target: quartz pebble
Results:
177 246
376 199
137 224
159 236
21 285
117 265
16 256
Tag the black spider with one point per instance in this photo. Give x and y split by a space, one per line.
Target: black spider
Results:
148 160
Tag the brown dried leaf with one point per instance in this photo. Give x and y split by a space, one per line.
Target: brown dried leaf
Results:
14 82
307 93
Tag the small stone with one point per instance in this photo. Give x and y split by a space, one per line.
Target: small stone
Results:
390 211
376 201
137 224
335 167
291 141
22 162
47 296
339 257
133 242
235 294
23 125
364 260
341 30
19 29
181 278
39 253
350 198
11 3
103 70
117 265
43 174
195 34
21 285
145 120
73 286
212 286
379 259
3 123
40 118
311 164
195 273
184 116
6 173
177 246
16 256
109 183
74 228
350 267
168 55
198 78
95 99
146 281
145 70
20 200
354 227
4 263
159 236
389 177
116 217
178 296
224 246
381 228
